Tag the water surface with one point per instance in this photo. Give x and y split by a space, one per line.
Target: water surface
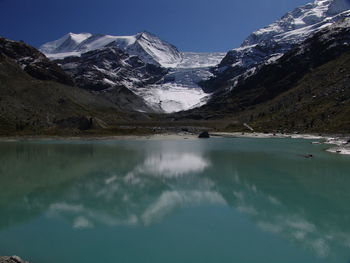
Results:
218 200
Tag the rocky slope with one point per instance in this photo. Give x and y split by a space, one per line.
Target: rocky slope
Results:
35 96
270 43
99 69
33 62
113 74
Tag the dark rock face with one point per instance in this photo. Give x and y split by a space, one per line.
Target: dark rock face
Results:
110 67
230 67
204 135
33 62
111 73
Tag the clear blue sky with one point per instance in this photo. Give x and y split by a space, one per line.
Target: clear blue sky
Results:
191 25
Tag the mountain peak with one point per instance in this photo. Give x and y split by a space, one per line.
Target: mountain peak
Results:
64 44
147 46
302 20
270 43
146 33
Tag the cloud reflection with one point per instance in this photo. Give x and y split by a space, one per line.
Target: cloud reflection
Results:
172 164
170 200
126 200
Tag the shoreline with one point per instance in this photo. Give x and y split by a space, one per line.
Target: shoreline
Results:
340 142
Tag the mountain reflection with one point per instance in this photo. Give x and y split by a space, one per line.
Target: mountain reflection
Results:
141 183
168 164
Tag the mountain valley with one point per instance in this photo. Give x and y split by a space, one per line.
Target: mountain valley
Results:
289 76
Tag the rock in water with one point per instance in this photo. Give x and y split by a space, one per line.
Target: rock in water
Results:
307 156
204 135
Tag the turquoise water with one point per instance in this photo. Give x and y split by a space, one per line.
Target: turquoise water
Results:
218 200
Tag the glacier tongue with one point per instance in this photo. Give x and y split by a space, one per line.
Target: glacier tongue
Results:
170 97
179 90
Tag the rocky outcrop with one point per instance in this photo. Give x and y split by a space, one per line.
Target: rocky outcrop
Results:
110 67
113 74
204 135
33 62
12 259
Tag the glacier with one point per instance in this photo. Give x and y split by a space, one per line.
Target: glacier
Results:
178 91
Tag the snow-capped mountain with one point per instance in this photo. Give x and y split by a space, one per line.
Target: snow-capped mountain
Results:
268 44
91 59
67 43
306 89
111 72
110 67
148 47
144 64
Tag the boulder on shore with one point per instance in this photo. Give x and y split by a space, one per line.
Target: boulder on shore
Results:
204 135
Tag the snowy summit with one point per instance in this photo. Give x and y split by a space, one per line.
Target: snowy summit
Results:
268 44
150 48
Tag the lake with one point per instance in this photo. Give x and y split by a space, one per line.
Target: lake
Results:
218 200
